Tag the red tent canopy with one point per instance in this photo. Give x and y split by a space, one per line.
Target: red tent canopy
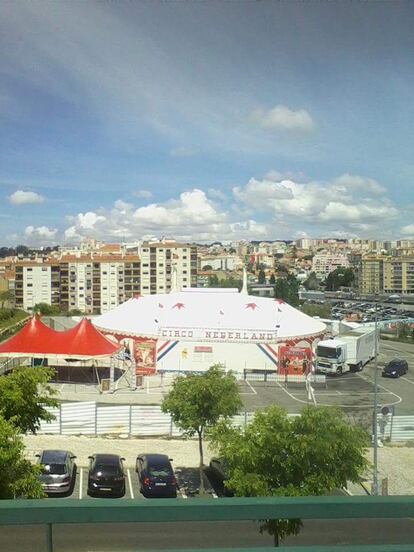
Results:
38 340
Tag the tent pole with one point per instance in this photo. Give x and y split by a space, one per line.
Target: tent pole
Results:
111 375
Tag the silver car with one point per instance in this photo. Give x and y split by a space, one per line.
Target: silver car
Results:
58 471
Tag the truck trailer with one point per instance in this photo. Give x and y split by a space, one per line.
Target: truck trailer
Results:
348 352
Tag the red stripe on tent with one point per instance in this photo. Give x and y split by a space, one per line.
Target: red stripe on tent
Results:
163 346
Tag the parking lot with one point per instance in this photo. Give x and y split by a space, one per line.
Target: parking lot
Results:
187 478
351 391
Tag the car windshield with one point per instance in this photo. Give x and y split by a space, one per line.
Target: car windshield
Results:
54 469
327 352
159 471
108 469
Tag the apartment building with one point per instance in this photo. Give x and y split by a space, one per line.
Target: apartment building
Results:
90 283
221 262
323 263
157 261
387 274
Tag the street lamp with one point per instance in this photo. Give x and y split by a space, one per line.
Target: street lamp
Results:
375 413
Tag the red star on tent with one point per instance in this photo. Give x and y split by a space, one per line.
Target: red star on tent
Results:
251 306
179 306
279 301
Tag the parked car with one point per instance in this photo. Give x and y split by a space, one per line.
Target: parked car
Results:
106 475
58 471
218 472
395 368
156 476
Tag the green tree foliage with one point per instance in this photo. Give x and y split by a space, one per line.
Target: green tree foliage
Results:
272 279
340 277
18 477
288 290
314 453
323 311
6 296
74 312
197 402
311 283
46 310
24 396
230 282
262 277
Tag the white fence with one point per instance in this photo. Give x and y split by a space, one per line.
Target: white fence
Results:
396 428
284 378
88 418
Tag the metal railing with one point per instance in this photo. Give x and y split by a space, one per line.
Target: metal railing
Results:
48 512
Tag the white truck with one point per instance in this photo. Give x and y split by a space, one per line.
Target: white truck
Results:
348 352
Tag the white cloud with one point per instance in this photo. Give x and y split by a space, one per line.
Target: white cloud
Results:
217 194
20 197
281 117
192 216
40 234
347 203
408 230
142 194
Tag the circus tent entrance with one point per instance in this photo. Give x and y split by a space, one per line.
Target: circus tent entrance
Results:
81 354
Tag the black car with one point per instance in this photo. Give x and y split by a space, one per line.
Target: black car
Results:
106 475
395 368
58 471
218 471
156 476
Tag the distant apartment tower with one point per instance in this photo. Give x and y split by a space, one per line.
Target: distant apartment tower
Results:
324 263
157 262
90 283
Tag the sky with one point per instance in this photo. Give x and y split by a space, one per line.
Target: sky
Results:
206 121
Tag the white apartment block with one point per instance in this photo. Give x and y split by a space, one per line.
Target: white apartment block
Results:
37 286
324 263
221 262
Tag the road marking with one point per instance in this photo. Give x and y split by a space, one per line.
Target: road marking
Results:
405 379
130 483
252 388
80 483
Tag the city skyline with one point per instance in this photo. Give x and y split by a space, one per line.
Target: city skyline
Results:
206 122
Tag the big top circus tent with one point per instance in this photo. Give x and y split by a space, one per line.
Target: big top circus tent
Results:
73 353
192 329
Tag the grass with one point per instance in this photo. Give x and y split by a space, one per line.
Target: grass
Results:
11 325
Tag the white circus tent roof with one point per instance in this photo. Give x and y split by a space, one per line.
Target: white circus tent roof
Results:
201 309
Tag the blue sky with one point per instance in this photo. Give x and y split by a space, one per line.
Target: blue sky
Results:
204 121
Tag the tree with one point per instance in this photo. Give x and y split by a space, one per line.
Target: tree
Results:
18 477
287 289
262 277
340 277
311 282
272 279
213 281
46 310
312 454
25 395
197 402
6 296
323 311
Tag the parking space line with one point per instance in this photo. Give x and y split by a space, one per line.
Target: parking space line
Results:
130 483
80 483
405 379
252 388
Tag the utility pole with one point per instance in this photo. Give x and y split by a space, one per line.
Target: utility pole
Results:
375 413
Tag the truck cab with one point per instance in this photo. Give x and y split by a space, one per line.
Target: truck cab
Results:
330 356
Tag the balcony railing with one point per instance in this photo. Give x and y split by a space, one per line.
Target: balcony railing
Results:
50 512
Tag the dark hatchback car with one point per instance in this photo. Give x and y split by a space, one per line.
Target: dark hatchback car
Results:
395 368
58 471
156 476
218 473
106 475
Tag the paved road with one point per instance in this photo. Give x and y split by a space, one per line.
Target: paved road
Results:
353 392
133 537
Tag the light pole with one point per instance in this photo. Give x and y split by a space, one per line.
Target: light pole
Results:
375 413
